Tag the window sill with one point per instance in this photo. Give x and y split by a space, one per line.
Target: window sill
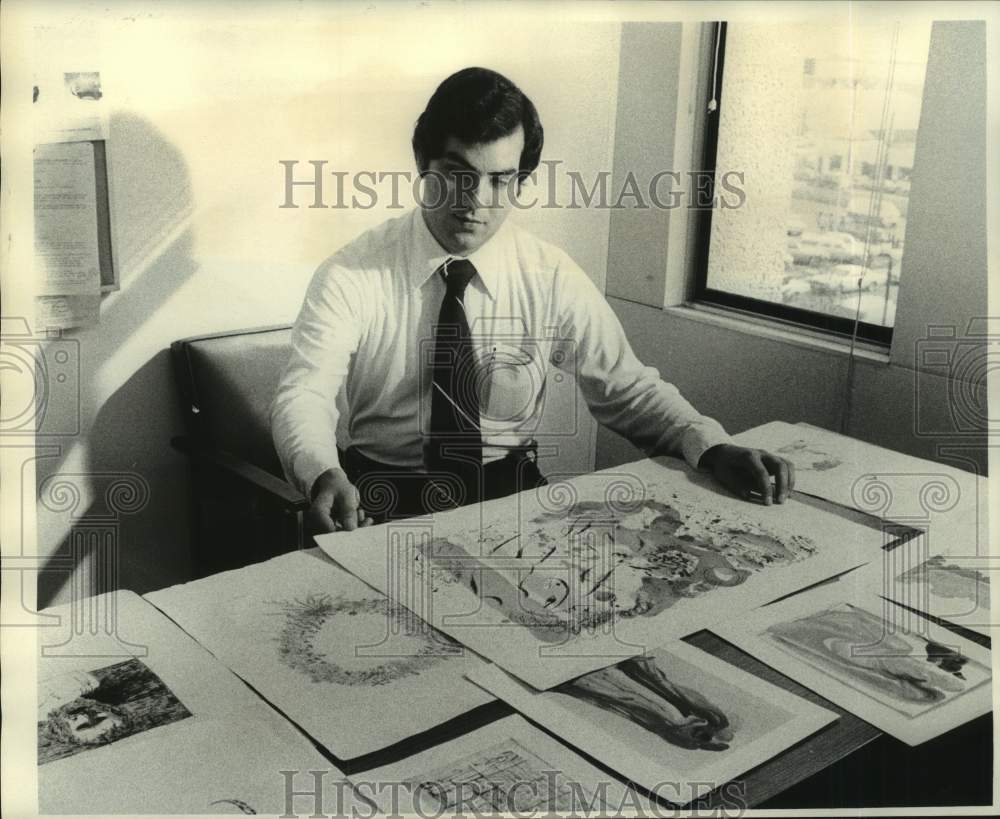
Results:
764 327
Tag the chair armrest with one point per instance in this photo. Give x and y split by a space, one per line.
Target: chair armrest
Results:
290 497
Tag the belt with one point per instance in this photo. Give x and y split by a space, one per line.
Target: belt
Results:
393 492
354 459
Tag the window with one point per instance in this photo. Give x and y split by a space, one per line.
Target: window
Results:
818 124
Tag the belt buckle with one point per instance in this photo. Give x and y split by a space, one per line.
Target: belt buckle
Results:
530 451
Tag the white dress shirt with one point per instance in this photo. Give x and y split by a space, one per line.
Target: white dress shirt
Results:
359 372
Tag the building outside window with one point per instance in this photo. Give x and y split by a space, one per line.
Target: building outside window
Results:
822 122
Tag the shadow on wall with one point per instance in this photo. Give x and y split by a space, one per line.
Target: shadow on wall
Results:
104 510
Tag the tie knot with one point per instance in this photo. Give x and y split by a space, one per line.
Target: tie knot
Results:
457 275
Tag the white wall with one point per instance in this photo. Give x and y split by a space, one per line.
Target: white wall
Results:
945 244
202 110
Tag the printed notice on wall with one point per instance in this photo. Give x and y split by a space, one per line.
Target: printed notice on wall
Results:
66 219
66 240
65 312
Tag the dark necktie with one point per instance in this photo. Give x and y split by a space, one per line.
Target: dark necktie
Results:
456 445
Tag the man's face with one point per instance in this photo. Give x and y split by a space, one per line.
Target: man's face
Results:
468 192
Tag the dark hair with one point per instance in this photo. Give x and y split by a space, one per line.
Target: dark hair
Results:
476 105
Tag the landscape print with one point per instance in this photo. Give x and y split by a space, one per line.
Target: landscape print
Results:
906 671
83 710
888 665
224 763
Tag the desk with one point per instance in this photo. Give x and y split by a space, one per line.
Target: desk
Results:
847 764
830 745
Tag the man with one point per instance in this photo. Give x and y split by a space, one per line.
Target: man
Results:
410 319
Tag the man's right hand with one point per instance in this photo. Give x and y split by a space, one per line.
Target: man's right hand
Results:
335 505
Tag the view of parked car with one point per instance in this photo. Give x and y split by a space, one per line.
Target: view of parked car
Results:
814 248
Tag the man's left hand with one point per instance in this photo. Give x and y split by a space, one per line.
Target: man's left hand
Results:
750 473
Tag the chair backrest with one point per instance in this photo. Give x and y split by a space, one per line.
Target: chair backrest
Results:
227 382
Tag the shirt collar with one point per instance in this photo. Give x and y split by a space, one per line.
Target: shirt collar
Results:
426 256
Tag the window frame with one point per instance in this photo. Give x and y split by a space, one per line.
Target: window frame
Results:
702 293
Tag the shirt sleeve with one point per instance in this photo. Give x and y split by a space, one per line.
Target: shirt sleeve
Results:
304 412
622 393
